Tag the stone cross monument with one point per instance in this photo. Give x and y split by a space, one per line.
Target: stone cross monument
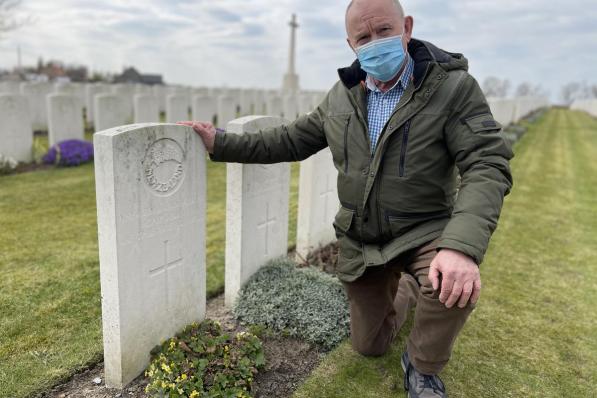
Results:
291 79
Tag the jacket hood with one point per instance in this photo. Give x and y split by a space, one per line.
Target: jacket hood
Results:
423 53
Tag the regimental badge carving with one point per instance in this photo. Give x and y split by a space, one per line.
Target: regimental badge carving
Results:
163 166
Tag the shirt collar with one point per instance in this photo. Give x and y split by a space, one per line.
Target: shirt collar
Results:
403 81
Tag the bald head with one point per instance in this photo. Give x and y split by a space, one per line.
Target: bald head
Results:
368 20
395 3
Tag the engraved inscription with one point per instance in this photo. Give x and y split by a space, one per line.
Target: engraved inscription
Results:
163 166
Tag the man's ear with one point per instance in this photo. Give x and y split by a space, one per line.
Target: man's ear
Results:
409 23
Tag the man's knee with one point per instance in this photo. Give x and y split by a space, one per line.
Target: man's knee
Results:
370 348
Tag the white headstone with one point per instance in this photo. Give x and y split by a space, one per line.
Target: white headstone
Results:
160 91
317 204
16 135
91 90
226 110
146 108
290 107
110 111
177 108
10 87
127 92
305 104
256 211
36 98
502 110
151 206
204 108
274 106
65 118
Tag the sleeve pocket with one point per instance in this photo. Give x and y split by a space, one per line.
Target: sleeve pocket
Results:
483 122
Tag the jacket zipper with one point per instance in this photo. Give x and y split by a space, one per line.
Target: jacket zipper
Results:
404 147
346 145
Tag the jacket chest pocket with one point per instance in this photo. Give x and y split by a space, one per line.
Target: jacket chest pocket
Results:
337 130
404 149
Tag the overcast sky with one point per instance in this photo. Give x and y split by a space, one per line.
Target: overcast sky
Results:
245 42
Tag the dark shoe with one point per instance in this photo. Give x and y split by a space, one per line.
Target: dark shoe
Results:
419 385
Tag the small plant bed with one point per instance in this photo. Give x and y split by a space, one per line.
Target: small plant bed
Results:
304 303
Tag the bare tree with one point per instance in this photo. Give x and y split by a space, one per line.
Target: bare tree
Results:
8 18
524 89
571 92
496 87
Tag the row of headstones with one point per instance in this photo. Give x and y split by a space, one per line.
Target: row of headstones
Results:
62 114
509 111
247 101
586 105
151 203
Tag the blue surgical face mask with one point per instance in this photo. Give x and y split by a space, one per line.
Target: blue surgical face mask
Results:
382 58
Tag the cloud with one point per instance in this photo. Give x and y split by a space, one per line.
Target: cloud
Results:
245 43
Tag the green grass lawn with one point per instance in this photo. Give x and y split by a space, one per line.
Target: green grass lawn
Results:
534 332
50 323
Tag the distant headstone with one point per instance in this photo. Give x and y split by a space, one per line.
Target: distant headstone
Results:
226 110
290 107
256 211
177 108
146 108
151 206
110 111
502 109
36 98
65 118
204 108
306 104
91 90
10 87
274 106
127 92
318 203
16 135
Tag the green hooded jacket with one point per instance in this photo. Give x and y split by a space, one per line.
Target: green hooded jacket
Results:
406 193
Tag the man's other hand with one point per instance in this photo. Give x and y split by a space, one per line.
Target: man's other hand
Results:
206 131
460 278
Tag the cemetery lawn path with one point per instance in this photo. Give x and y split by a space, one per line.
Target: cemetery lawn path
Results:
533 332
50 309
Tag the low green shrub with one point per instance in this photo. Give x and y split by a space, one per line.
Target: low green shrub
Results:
203 362
301 302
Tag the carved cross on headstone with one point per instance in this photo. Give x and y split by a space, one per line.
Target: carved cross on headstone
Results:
266 224
328 190
164 269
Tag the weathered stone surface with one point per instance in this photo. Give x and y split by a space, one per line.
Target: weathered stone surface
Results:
318 203
256 211
65 118
151 206
16 135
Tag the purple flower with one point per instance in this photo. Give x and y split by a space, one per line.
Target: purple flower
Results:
69 153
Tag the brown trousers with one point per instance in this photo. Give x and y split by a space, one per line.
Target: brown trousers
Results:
379 305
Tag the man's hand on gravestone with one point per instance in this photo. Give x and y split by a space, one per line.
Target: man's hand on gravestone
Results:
206 131
460 278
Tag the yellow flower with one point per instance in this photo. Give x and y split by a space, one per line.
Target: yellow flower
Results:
172 344
166 368
180 391
194 394
183 376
